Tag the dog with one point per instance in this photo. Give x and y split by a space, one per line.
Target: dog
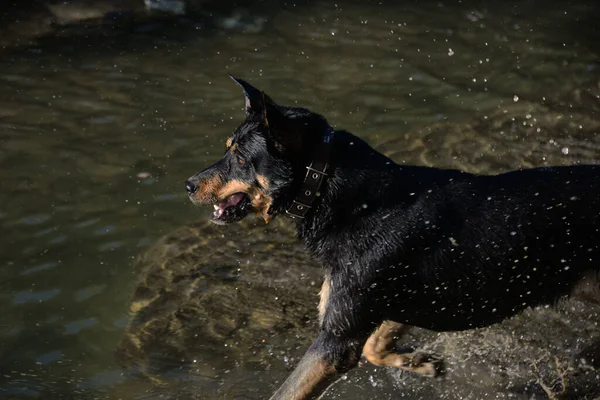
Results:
402 245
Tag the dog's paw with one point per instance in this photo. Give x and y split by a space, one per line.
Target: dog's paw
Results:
424 364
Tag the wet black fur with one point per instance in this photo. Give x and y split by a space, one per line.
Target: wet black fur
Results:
439 249
280 158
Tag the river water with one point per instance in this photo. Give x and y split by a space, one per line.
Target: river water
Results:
98 133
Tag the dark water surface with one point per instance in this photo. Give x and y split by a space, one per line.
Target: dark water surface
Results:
97 136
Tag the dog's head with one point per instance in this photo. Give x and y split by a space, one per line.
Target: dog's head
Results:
263 163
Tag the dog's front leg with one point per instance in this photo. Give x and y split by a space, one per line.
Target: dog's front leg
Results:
324 362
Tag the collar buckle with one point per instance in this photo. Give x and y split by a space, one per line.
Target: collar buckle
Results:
316 173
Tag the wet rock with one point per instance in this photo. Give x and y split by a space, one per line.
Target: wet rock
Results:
73 11
211 298
20 21
542 353
24 23
216 303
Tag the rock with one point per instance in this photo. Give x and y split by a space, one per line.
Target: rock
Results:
546 352
24 23
73 11
216 303
211 298
21 21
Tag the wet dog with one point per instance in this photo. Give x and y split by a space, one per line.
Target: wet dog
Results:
402 245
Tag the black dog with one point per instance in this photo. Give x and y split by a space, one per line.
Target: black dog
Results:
403 245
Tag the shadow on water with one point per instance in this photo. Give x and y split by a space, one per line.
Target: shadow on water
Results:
101 123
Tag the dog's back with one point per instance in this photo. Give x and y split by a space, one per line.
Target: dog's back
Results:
476 249
448 250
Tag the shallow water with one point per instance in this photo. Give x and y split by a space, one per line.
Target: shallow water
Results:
98 134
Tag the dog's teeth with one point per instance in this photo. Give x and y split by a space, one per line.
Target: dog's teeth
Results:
216 206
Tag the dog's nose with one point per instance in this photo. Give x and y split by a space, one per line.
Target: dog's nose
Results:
190 187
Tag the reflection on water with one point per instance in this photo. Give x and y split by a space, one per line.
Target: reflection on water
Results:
97 136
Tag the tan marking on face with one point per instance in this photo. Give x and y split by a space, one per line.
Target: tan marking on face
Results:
208 189
231 187
261 202
263 181
233 147
324 293
228 143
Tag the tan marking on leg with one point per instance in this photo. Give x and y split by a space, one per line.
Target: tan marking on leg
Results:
319 371
379 350
309 379
324 293
228 143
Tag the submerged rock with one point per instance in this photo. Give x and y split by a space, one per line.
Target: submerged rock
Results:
211 298
216 303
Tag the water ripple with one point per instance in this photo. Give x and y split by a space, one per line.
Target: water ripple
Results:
29 297
35 219
90 291
39 268
49 357
87 223
105 230
111 245
74 327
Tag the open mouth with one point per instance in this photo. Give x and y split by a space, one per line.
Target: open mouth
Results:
231 209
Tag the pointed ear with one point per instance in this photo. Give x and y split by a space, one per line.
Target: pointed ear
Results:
255 100
281 131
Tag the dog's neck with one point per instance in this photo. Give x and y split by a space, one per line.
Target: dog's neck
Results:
316 174
361 182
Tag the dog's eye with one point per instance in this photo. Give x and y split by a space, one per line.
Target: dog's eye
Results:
240 160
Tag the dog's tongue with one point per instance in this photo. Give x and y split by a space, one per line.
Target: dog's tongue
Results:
230 201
